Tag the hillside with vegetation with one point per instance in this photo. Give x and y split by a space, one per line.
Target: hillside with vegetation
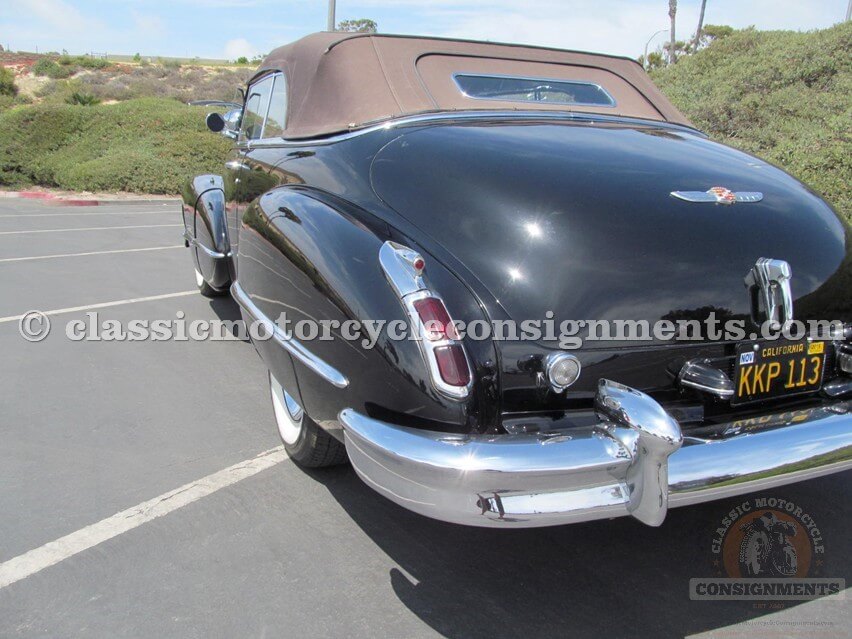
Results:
88 124
79 123
781 95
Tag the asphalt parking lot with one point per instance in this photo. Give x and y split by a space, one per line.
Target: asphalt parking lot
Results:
218 535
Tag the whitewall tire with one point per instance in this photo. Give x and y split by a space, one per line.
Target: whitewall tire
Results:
305 442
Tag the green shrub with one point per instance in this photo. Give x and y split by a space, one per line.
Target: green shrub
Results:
781 95
83 99
88 62
7 82
42 66
9 101
82 61
145 146
53 70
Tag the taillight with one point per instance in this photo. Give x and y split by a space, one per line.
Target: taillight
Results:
438 337
452 365
435 318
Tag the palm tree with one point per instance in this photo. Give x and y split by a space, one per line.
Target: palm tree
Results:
700 25
672 14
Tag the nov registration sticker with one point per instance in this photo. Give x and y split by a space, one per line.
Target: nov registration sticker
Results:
766 370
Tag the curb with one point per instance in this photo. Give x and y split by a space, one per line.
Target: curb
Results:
52 199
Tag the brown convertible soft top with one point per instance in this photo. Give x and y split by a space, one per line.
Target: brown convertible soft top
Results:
342 81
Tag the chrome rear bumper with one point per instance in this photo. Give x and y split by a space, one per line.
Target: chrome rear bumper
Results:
636 461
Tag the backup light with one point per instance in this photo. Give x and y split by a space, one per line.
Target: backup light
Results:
844 359
562 370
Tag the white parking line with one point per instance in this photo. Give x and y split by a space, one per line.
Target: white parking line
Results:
47 257
165 210
91 228
74 309
53 552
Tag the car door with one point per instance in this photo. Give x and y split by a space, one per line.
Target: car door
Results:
241 185
258 152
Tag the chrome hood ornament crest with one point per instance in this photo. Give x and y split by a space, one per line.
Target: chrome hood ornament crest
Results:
718 195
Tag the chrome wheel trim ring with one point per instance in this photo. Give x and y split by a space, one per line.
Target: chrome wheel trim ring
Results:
289 416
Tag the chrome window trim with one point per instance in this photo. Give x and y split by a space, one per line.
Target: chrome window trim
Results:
276 76
255 82
288 342
468 74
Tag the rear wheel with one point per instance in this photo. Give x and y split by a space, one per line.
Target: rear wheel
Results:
204 288
305 442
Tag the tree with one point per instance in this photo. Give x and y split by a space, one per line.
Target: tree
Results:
713 32
655 60
362 25
673 39
700 25
242 60
137 58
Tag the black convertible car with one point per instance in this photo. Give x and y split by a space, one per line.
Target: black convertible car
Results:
439 184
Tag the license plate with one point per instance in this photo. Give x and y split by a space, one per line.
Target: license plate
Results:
765 370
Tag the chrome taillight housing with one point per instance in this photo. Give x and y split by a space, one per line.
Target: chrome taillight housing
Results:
437 335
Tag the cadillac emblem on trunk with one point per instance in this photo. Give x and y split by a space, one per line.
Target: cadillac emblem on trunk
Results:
718 195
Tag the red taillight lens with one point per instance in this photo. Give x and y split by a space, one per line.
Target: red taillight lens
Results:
452 365
436 319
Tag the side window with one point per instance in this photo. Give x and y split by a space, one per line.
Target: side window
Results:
276 120
255 111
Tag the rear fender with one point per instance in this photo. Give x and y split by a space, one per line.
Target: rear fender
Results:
206 230
314 257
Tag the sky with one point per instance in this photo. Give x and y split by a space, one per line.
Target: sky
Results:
232 28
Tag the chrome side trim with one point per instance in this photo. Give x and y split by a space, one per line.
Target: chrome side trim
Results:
193 242
288 342
462 116
634 462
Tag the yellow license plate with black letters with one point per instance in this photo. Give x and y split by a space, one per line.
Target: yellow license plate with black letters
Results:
766 370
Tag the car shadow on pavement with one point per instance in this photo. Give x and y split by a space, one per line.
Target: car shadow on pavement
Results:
614 578
227 310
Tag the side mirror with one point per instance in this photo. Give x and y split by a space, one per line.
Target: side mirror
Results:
215 122
227 124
